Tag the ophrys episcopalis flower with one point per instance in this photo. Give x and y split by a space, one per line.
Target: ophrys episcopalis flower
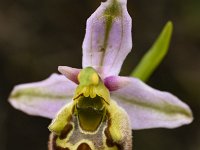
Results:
91 104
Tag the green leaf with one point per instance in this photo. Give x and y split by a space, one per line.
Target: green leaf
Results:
155 54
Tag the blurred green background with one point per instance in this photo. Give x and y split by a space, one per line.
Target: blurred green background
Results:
38 35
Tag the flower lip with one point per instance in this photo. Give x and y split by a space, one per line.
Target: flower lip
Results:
90 112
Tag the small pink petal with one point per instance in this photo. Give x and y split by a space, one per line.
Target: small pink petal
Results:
113 83
70 73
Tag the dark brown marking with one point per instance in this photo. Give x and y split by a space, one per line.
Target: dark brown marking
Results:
53 145
84 146
102 49
109 140
66 131
77 97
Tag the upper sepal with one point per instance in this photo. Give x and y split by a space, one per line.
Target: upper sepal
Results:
108 38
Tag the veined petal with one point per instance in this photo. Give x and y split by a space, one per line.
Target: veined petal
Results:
108 38
44 98
148 107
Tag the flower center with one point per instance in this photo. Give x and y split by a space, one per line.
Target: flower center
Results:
91 112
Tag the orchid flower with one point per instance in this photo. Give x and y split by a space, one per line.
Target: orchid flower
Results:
94 108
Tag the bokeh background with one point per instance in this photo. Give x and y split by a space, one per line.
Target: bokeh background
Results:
38 35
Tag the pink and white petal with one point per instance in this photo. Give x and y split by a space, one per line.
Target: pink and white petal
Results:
108 38
148 107
44 98
70 73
